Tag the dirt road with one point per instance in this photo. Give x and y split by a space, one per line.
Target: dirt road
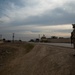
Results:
60 44
43 60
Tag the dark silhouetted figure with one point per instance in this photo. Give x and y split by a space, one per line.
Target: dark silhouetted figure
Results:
73 36
13 37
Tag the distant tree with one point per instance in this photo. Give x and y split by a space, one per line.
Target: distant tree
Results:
54 37
31 40
20 40
4 39
37 40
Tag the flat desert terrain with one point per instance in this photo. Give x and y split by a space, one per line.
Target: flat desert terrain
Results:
18 59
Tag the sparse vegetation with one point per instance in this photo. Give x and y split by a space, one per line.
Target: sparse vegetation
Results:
8 51
28 47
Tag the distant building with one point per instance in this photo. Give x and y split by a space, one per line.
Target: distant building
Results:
43 38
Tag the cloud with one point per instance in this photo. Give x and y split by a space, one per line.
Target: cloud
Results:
37 16
29 16
56 16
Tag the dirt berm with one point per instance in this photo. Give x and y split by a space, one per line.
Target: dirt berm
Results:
43 60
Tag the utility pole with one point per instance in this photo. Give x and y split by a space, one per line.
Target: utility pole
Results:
13 37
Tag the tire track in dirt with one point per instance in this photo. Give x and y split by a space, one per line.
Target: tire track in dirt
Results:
43 60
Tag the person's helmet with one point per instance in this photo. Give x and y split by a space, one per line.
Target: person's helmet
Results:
73 25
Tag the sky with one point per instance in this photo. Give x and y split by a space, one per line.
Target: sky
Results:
29 18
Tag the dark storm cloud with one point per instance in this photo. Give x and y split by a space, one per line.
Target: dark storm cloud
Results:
56 17
5 4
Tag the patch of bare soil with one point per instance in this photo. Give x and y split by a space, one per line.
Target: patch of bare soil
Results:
42 60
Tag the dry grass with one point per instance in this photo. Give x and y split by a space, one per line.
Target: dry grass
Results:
6 52
9 51
29 47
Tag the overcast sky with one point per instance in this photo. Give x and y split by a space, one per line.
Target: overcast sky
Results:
29 18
